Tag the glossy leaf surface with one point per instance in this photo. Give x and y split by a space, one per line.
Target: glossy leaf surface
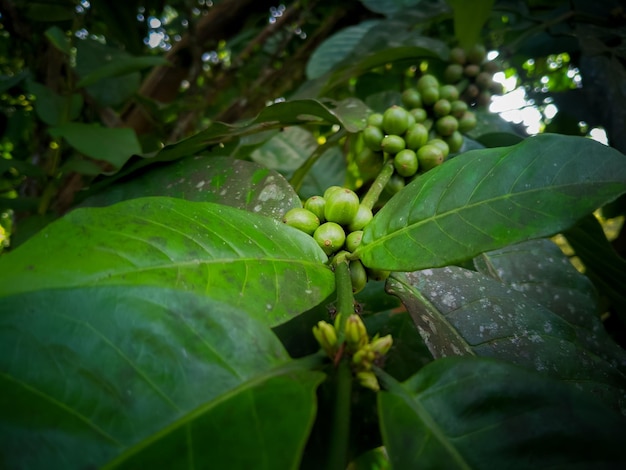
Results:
90 374
209 249
461 312
481 414
222 180
486 199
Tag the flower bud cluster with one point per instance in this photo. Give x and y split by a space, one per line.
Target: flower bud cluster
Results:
362 350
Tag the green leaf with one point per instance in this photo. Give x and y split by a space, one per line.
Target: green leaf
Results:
212 250
58 39
222 180
489 198
336 48
121 66
114 146
469 19
350 114
54 109
462 312
540 270
481 414
94 373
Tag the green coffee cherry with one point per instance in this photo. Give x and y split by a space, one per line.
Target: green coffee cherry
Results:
341 206
484 80
375 119
392 144
405 163
419 114
353 240
453 73
416 136
411 98
484 98
458 56
446 125
427 81
332 189
372 137
443 146
302 219
395 120
442 108
363 217
467 122
430 95
429 156
448 92
458 108
476 54
471 70
358 276
316 205
330 237
454 141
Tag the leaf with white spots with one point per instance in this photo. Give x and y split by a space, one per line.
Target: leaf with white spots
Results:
540 270
489 198
272 271
461 312
223 180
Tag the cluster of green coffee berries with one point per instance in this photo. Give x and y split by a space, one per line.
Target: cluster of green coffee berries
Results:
336 221
363 350
418 135
470 71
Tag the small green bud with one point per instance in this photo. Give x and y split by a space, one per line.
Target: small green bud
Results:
326 336
381 345
364 358
356 333
368 379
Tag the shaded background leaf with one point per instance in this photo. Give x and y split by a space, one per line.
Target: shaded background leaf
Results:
209 249
486 199
89 372
479 413
222 180
461 312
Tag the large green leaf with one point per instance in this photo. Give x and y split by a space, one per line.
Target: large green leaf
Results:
254 262
469 19
540 270
489 198
462 413
223 180
119 67
89 374
462 312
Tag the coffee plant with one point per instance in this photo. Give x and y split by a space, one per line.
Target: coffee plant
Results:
364 275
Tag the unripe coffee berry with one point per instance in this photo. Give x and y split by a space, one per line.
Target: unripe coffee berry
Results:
453 73
442 108
332 189
443 146
458 56
416 136
427 81
358 276
454 141
405 163
395 120
375 119
446 125
353 240
392 144
411 98
316 204
341 206
302 219
419 114
467 122
429 156
330 237
372 137
430 95
363 217
448 92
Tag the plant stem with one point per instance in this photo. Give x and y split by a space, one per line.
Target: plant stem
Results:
345 297
370 199
338 451
298 176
